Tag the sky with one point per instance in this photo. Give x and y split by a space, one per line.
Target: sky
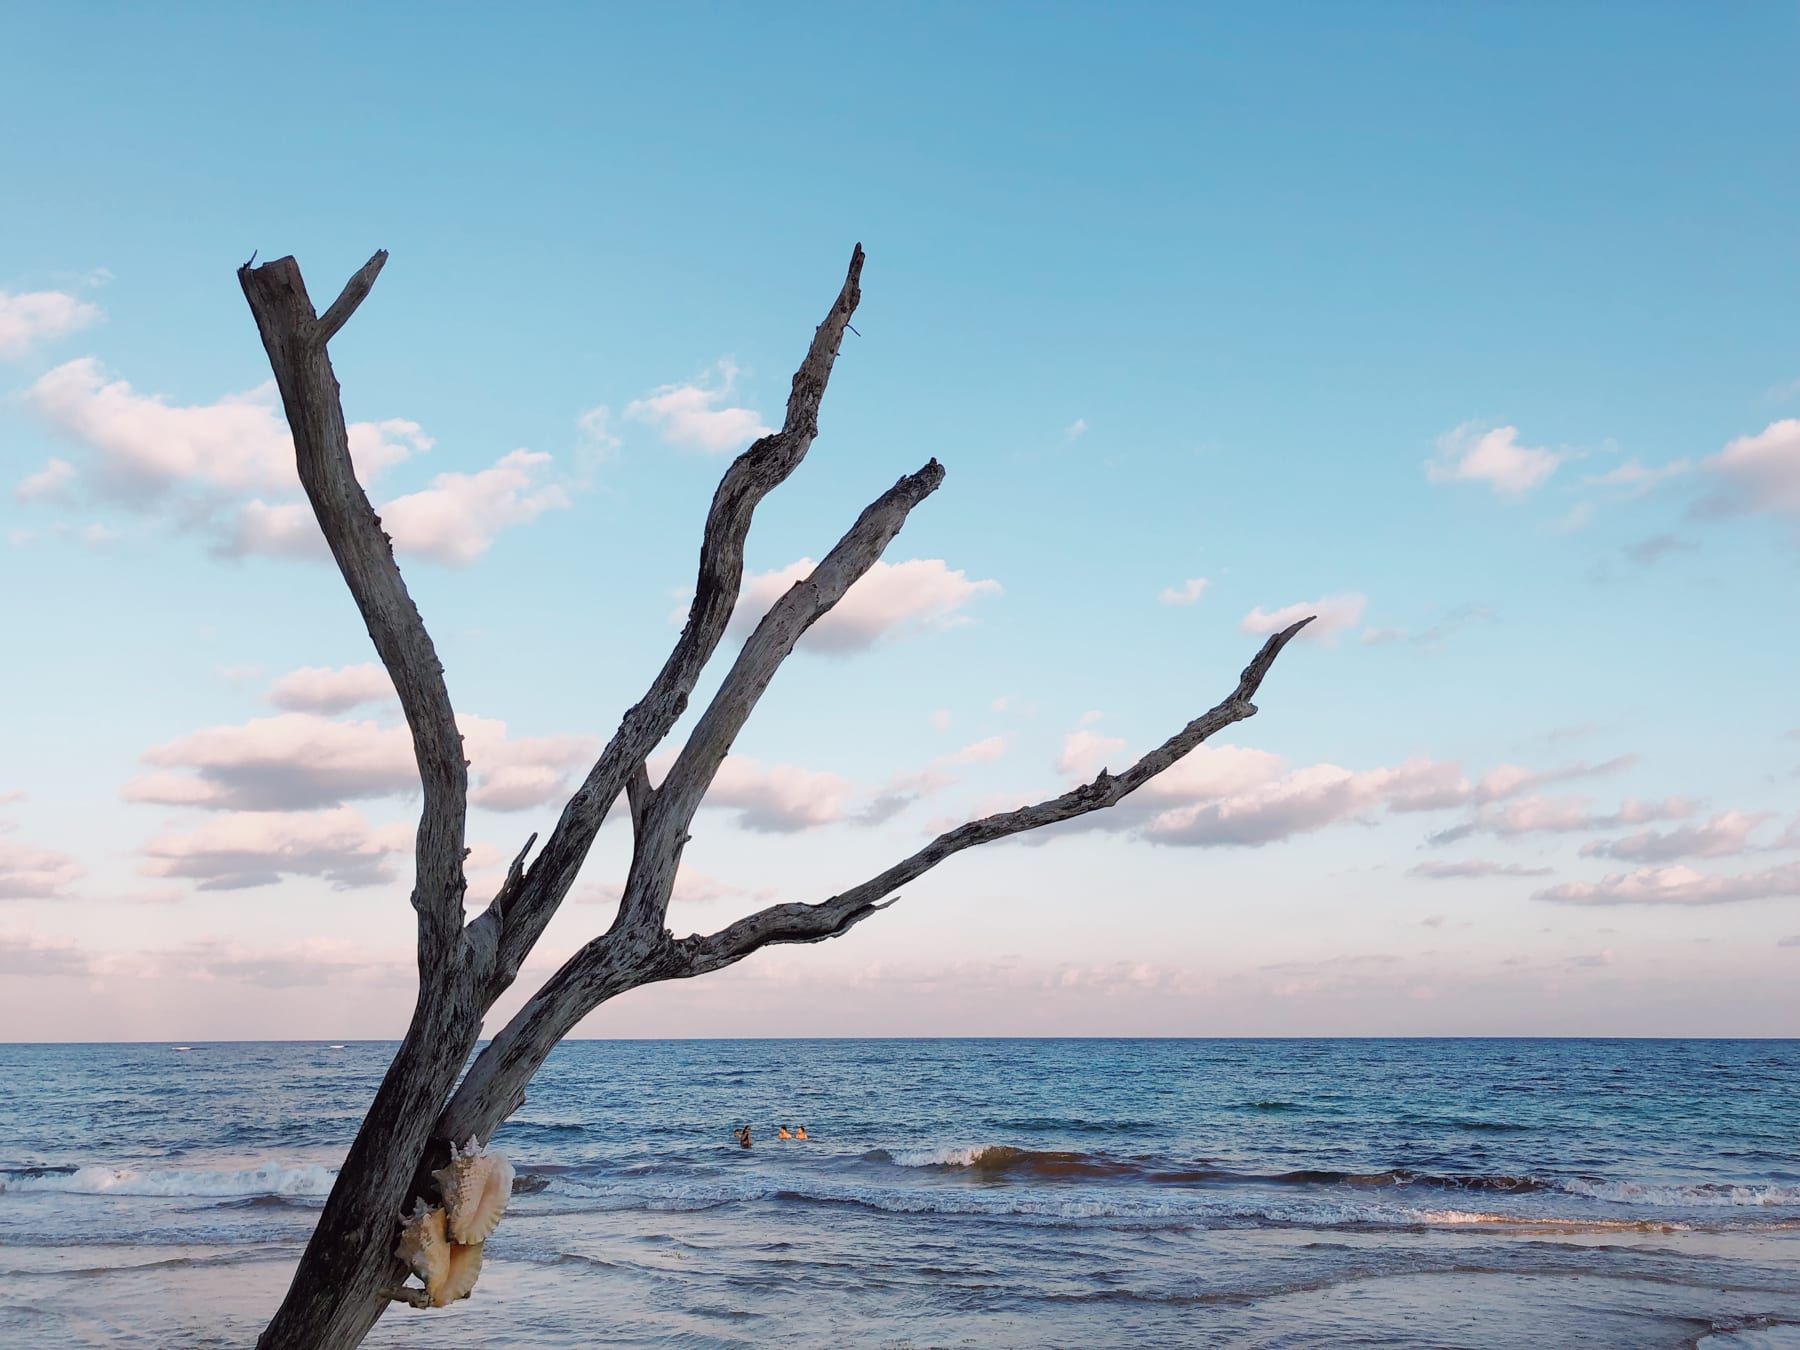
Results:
1470 330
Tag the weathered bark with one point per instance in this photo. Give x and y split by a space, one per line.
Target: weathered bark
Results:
348 1274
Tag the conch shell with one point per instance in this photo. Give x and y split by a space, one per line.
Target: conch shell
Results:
424 1247
476 1186
465 1267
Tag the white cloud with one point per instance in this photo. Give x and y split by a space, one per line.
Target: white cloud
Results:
1510 780
1335 614
298 760
1473 867
1075 429
890 597
1308 799
1471 454
692 887
1726 833
244 850
777 798
48 484
321 689
378 446
24 952
1562 815
940 719
146 445
1678 885
904 789
454 521
276 530
31 317
691 414
1759 473
1634 479
148 448
984 751
35 873
1187 593
1084 753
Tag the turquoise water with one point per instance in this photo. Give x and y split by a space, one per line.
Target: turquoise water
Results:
954 1192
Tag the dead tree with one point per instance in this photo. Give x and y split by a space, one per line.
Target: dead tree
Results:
348 1273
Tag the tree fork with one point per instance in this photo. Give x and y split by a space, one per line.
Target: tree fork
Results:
348 1274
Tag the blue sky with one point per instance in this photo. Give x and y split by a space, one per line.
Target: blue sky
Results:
1472 329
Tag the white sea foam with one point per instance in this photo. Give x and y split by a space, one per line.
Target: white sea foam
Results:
305 1180
941 1157
1680 1197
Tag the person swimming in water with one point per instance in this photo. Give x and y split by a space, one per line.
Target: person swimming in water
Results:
784 1133
742 1136
800 1132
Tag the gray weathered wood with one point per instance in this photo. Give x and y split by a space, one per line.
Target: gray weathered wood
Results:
348 1274
337 1290
751 477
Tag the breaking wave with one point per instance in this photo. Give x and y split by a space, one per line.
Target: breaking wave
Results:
271 1180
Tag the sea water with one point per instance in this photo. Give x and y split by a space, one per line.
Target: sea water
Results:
1267 1193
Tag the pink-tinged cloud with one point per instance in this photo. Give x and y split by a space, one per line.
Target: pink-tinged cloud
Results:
1511 780
904 789
1725 834
1188 593
1759 473
286 965
1678 885
25 952
147 447
28 873
1085 752
777 798
30 318
1473 867
49 484
890 598
695 415
1563 815
1333 614
249 849
1634 479
1305 800
1492 456
454 521
692 887
322 689
296 761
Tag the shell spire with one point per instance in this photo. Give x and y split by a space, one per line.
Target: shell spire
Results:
476 1186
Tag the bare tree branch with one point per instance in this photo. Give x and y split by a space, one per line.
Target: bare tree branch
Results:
636 950
639 794
295 341
829 918
751 477
355 291
805 602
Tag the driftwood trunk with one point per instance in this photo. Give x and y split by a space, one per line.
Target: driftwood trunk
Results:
348 1274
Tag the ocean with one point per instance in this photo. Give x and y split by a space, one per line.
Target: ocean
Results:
983 1193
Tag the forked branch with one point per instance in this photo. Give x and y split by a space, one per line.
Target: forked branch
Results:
295 339
751 477
635 953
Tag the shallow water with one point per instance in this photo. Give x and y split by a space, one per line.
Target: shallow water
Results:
968 1192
